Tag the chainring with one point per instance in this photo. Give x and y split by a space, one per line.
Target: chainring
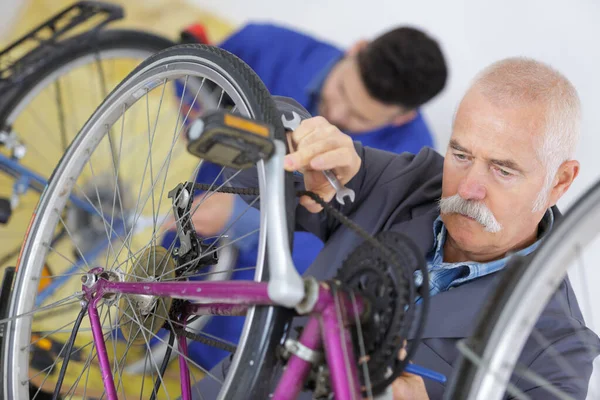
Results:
387 286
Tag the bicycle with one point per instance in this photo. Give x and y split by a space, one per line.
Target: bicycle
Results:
248 98
269 302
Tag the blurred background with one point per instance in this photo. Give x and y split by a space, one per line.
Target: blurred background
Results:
472 34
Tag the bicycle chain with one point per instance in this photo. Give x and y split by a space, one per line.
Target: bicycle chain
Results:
389 346
326 206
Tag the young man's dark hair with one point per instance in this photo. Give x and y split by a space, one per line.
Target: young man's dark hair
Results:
403 67
384 81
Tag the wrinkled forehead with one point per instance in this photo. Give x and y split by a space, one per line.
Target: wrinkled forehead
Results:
501 130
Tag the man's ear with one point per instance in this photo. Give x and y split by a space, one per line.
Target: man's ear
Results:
565 176
404 118
357 47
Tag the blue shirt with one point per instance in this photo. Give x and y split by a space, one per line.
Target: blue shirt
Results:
443 275
295 65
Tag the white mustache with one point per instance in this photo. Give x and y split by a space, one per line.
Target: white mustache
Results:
474 209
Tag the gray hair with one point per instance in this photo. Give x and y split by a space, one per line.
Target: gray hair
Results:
521 80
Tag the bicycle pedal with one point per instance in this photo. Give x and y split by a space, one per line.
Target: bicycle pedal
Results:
5 210
230 140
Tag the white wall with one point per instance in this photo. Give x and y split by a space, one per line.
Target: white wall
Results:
474 33
8 16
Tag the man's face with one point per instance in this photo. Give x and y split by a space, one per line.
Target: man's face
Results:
491 160
346 103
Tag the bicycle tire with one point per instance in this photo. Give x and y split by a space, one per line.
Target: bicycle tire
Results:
537 275
75 48
264 325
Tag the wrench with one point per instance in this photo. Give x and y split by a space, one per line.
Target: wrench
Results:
341 191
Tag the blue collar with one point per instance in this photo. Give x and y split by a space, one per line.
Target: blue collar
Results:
439 235
443 275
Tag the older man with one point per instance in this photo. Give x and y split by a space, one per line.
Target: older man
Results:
493 195
510 159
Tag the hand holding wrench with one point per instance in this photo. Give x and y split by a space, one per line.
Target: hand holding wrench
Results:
341 191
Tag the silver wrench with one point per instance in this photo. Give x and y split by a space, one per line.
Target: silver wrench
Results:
341 191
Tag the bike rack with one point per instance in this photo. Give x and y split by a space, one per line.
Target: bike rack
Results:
48 34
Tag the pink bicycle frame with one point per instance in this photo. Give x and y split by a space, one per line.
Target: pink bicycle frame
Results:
327 327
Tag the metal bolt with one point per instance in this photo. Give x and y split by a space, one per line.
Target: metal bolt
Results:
88 280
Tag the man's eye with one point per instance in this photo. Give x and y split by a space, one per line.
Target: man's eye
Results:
460 157
503 173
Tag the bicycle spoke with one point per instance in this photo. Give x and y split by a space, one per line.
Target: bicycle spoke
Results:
146 341
101 212
586 291
170 152
56 360
248 207
475 359
542 383
549 347
117 192
191 262
342 335
175 138
174 349
169 252
151 140
60 303
47 132
361 344
74 243
49 333
86 366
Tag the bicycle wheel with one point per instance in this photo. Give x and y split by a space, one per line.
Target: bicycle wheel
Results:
44 111
536 304
138 200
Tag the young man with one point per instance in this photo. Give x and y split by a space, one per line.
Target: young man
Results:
372 91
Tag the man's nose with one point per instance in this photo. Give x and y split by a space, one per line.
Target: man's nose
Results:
472 187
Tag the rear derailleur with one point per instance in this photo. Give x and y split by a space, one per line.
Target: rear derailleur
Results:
192 254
